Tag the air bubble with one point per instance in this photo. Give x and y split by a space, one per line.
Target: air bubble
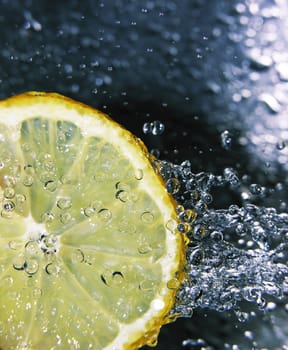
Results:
65 179
15 245
31 247
8 206
126 227
52 269
122 195
104 214
147 285
64 203
155 152
9 181
65 218
31 266
117 277
19 263
50 185
28 181
6 214
9 192
47 217
171 225
36 293
147 217
139 174
174 283
183 227
77 256
89 212
7 281
144 248
61 138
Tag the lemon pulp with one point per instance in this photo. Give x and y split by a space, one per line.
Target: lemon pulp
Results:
90 257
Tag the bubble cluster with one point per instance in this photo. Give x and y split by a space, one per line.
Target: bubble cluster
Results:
235 255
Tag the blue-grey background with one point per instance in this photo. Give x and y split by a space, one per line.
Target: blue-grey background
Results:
199 66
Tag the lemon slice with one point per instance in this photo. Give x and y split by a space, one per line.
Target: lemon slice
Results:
89 254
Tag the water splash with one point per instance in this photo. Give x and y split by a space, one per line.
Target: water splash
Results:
235 255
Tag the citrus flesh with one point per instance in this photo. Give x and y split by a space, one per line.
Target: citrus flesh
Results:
89 254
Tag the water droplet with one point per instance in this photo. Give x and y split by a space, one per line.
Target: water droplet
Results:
256 189
155 128
173 186
226 140
271 102
241 316
271 306
196 256
216 236
231 176
206 197
280 145
282 69
155 152
147 217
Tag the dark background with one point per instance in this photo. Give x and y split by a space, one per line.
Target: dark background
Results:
201 67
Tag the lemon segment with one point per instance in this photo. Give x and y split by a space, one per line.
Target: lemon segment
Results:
88 259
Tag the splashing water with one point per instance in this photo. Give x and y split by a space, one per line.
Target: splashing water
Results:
237 255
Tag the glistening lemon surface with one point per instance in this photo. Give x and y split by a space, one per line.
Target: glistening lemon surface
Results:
90 257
